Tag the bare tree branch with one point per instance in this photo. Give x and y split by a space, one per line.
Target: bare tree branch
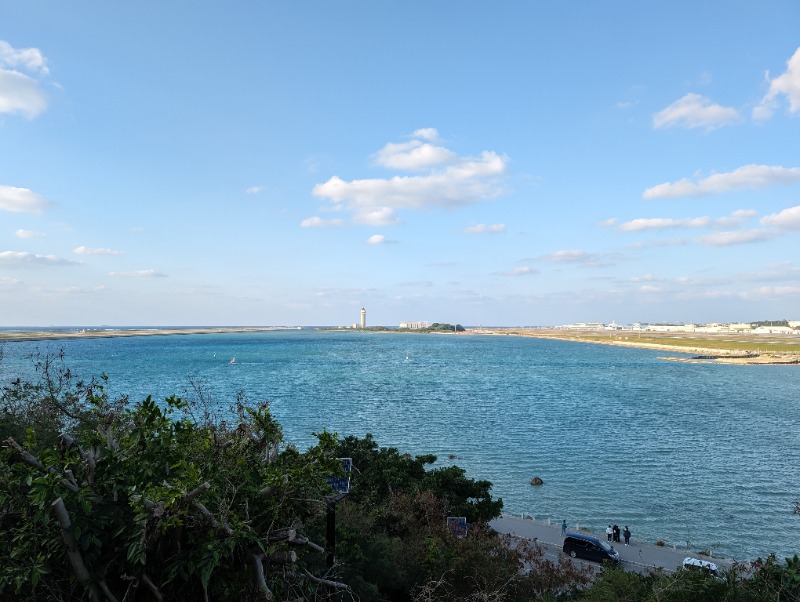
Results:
327 582
75 558
210 518
197 491
305 541
283 557
151 586
258 574
31 460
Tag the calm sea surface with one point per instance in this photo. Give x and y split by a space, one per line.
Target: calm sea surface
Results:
701 455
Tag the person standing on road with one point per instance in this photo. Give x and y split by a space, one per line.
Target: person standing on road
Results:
626 534
616 533
563 528
609 532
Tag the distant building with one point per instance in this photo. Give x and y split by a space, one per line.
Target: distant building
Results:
583 326
363 318
713 328
671 327
773 330
415 325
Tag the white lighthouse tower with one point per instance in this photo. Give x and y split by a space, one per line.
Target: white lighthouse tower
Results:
363 318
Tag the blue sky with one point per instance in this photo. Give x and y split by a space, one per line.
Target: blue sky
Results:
503 163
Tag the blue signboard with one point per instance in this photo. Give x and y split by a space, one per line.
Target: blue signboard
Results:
342 484
458 525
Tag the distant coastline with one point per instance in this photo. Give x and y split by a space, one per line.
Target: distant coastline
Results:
741 349
111 332
707 349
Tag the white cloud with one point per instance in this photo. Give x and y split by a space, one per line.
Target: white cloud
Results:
661 223
646 278
695 111
30 59
520 271
21 200
771 292
485 229
567 256
736 218
413 156
736 237
787 84
788 218
29 234
747 176
318 222
254 190
662 243
576 256
150 273
651 288
429 134
94 251
379 239
20 93
607 223
447 180
380 216
20 259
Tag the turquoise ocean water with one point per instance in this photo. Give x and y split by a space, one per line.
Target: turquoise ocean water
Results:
704 456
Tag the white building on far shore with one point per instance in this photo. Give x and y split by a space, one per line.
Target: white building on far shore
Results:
583 326
415 325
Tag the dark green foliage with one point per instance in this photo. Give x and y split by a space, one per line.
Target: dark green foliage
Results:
437 327
379 472
462 496
760 581
156 500
773 580
758 323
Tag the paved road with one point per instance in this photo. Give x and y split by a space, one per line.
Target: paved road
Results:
638 556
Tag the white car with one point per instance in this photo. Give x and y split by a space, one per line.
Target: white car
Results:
703 565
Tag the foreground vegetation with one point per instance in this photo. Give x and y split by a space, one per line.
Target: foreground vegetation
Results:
109 499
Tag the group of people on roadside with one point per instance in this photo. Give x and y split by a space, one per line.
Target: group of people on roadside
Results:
613 534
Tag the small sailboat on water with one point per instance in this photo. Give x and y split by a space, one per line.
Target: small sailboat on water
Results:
233 360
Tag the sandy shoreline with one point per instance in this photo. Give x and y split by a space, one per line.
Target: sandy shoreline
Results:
708 350
90 333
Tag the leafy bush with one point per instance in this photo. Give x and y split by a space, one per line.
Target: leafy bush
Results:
159 505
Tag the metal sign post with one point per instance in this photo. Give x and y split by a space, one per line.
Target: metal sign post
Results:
342 486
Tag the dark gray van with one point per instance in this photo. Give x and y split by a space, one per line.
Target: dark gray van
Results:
589 547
